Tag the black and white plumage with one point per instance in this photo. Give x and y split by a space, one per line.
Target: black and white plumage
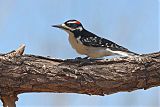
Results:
87 43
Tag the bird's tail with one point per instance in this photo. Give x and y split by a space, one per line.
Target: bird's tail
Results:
133 53
128 53
125 52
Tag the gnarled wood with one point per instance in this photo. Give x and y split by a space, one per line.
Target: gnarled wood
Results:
30 73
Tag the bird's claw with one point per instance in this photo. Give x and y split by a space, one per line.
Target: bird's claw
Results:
80 58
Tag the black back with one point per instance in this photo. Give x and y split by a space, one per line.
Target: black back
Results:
90 39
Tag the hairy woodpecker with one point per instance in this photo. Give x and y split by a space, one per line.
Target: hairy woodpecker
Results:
87 43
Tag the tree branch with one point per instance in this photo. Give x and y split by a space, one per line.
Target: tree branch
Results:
31 73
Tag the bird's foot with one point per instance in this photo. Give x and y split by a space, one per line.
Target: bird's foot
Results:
80 58
87 57
85 62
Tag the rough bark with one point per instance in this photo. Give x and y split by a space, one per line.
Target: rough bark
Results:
30 73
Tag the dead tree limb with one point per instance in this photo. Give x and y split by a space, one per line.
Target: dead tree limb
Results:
29 73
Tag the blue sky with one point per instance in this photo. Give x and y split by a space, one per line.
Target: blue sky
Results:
133 24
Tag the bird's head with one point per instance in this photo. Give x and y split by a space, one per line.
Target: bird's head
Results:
70 26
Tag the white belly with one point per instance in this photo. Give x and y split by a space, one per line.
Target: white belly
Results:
93 52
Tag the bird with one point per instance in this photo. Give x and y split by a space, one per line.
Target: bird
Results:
89 44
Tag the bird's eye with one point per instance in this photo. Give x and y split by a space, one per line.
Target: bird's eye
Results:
72 25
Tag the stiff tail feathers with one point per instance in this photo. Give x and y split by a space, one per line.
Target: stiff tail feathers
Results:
124 53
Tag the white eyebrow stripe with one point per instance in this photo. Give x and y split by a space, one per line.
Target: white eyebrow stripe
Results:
72 22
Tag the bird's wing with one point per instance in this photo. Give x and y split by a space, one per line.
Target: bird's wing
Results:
95 41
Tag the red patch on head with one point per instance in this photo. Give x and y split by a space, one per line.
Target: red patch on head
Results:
77 22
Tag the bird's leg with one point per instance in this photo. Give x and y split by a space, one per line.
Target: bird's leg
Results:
87 60
87 57
83 63
80 58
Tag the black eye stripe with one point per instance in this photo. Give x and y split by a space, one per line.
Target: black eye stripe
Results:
73 25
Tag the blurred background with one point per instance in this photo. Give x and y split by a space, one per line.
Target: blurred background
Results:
133 24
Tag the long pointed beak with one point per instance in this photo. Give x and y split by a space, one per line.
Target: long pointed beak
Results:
58 26
61 26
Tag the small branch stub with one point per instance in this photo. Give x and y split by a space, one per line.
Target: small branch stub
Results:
9 100
14 53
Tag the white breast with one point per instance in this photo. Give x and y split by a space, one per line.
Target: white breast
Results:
93 52
81 49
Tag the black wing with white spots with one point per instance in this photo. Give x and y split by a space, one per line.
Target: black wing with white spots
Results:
90 39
